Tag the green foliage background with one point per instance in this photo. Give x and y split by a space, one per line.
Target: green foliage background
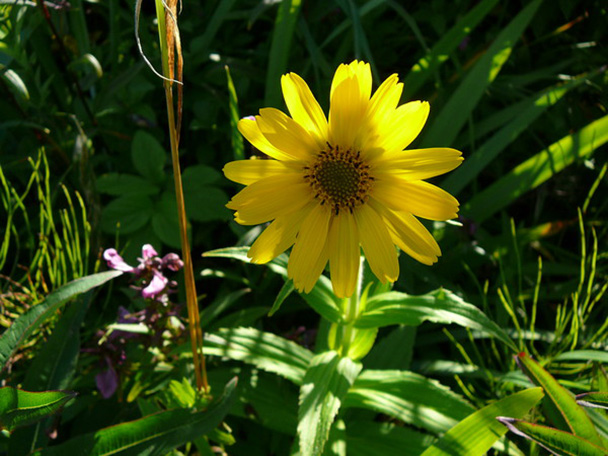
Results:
519 87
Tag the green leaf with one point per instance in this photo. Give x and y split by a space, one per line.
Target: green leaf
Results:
369 438
27 323
456 111
284 27
408 397
262 349
151 435
165 220
127 214
204 202
326 382
594 400
18 407
527 112
124 184
52 369
236 139
476 434
430 63
321 298
536 170
148 156
285 291
583 355
439 306
556 441
560 401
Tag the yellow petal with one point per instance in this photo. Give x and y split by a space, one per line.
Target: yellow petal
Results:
359 70
306 254
250 129
377 244
350 94
344 254
304 108
249 171
286 134
400 128
385 100
278 237
417 197
410 235
269 198
419 164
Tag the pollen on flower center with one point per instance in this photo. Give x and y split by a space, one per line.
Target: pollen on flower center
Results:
339 178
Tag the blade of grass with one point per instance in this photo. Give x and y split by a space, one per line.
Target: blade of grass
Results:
282 36
528 111
463 101
430 63
536 170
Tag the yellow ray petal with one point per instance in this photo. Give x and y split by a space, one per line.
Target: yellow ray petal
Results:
416 197
400 128
250 129
269 198
249 171
359 70
385 100
278 237
309 245
304 108
377 244
286 134
410 235
344 254
419 164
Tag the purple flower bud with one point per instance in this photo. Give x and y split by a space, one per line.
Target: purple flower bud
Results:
249 117
172 262
156 286
107 381
115 261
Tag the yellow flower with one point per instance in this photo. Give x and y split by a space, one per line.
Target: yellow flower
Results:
333 186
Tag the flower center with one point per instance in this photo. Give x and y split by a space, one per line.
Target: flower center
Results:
339 178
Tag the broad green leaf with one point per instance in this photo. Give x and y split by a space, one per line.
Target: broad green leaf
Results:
18 407
151 435
528 111
284 28
595 400
124 184
165 220
321 298
52 369
556 441
262 349
430 63
408 397
476 434
393 351
560 401
27 323
325 384
148 156
536 170
369 438
200 175
127 214
439 306
456 111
